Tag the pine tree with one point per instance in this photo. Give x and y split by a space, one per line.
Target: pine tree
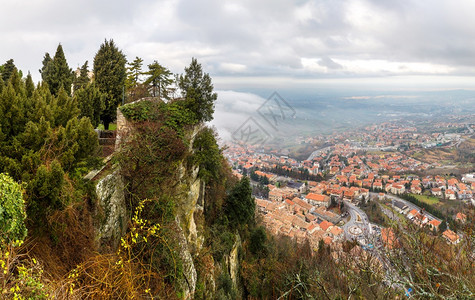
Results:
82 80
197 89
158 79
110 75
134 70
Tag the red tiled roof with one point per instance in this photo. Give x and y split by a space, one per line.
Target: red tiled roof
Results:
450 235
316 197
325 225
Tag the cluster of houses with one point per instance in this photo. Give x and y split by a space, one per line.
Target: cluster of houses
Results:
355 175
305 219
348 170
420 218
291 208
389 134
245 159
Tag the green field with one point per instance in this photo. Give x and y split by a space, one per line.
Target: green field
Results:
431 200
112 126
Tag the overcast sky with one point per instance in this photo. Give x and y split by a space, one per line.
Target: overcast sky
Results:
249 42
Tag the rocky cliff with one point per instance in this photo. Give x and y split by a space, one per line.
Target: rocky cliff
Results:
189 222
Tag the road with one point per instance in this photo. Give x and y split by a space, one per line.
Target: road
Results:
318 152
358 219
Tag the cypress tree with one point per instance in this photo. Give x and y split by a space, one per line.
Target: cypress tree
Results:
62 75
109 75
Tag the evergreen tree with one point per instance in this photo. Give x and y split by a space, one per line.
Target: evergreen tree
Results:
41 138
207 154
158 79
110 75
8 70
63 74
42 105
66 108
17 82
2 84
11 112
197 89
29 85
47 67
90 101
82 80
56 72
240 205
134 70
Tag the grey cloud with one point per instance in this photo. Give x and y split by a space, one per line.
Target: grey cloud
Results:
329 63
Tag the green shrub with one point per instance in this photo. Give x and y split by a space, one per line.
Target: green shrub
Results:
139 111
12 211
